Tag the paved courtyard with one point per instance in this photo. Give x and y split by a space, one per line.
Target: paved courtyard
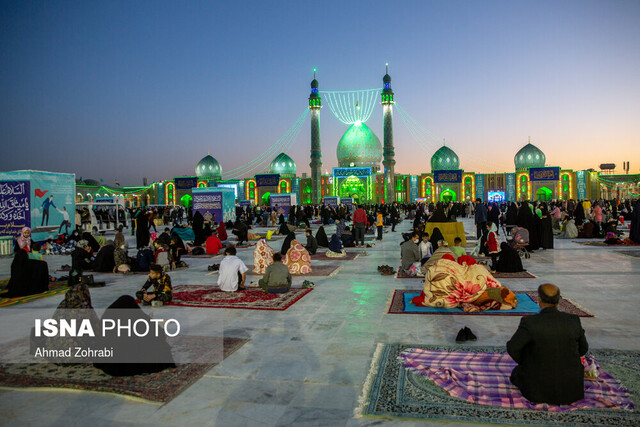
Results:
307 365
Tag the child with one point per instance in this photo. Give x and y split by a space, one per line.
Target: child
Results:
162 255
458 250
232 273
426 248
35 252
492 244
162 290
379 224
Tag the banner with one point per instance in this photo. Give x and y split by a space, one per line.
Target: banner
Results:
581 185
348 202
282 203
332 201
544 174
413 189
267 180
186 183
245 203
214 204
15 197
447 176
480 187
347 172
511 187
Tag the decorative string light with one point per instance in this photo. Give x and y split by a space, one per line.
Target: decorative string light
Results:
351 106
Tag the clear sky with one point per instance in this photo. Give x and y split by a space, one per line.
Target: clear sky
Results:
131 89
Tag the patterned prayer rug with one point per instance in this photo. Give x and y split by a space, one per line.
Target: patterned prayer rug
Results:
160 387
393 391
55 288
527 306
67 270
601 243
203 256
322 256
316 271
635 254
517 275
250 299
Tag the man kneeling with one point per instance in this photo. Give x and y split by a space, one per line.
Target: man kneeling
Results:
547 348
276 279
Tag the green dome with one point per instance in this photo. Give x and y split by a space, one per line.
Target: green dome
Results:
314 84
208 167
284 165
529 156
445 159
360 146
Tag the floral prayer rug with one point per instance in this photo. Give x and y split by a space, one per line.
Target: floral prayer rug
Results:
160 387
250 299
527 305
398 387
55 288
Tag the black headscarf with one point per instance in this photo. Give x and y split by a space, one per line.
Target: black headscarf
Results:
512 214
508 260
335 245
439 215
20 275
287 243
634 231
436 236
198 229
93 243
321 238
578 214
142 230
284 229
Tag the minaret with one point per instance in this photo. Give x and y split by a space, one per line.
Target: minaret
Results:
316 153
388 162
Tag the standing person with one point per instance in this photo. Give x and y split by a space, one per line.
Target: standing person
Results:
547 348
634 229
480 219
142 232
45 210
232 273
152 223
379 224
66 221
359 225
394 216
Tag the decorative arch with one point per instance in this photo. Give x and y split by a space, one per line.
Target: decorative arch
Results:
468 186
251 191
202 184
428 188
565 185
523 186
284 186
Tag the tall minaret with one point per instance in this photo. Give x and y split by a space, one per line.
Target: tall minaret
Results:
316 153
388 162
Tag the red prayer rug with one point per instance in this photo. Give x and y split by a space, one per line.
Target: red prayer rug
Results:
250 299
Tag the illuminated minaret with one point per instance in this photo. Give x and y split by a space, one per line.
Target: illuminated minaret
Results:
316 153
388 161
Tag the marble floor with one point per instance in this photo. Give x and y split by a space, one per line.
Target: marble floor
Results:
307 365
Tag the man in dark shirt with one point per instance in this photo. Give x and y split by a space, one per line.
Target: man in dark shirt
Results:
312 243
547 348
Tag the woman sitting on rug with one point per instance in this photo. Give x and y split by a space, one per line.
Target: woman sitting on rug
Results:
470 286
28 276
222 232
436 238
262 257
612 239
287 243
335 248
321 238
570 230
508 260
297 259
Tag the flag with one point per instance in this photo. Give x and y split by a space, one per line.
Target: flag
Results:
117 183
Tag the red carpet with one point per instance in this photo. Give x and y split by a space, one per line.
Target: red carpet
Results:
250 299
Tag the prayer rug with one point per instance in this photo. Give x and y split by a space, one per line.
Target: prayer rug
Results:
55 288
250 299
401 274
202 256
316 271
635 254
516 275
68 270
601 243
527 305
391 390
322 256
160 387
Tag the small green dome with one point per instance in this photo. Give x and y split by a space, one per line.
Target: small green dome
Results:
284 165
359 147
314 84
386 78
529 156
445 159
208 167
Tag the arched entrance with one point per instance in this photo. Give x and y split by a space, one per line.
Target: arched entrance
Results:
543 194
448 195
266 199
353 187
186 200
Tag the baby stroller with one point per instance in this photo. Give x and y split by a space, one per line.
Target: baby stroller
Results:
519 240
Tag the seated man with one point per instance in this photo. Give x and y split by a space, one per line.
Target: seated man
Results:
232 273
458 250
410 252
213 244
162 290
276 279
312 243
165 237
547 348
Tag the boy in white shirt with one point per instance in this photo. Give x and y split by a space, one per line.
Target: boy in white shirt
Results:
231 276
426 249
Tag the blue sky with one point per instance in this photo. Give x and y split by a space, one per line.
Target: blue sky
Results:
125 90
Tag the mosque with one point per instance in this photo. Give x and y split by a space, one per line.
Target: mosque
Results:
366 173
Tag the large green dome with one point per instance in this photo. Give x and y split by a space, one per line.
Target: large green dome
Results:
529 156
445 159
284 165
359 146
208 167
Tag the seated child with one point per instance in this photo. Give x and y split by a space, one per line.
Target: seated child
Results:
162 290
458 250
35 252
426 248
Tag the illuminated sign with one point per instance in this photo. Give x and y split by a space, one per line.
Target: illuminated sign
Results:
544 174
447 176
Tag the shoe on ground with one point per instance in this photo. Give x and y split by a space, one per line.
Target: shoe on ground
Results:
470 336
462 336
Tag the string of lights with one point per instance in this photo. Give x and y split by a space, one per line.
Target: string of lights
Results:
351 106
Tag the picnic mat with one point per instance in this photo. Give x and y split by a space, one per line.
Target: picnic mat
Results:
316 271
55 288
160 387
527 306
400 385
322 256
250 299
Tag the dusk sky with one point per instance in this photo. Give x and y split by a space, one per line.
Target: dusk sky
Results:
131 89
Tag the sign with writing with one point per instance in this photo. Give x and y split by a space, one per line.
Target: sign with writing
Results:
511 187
186 182
267 180
282 203
347 172
544 174
245 203
348 202
214 204
15 213
413 182
447 176
480 187
581 185
332 201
